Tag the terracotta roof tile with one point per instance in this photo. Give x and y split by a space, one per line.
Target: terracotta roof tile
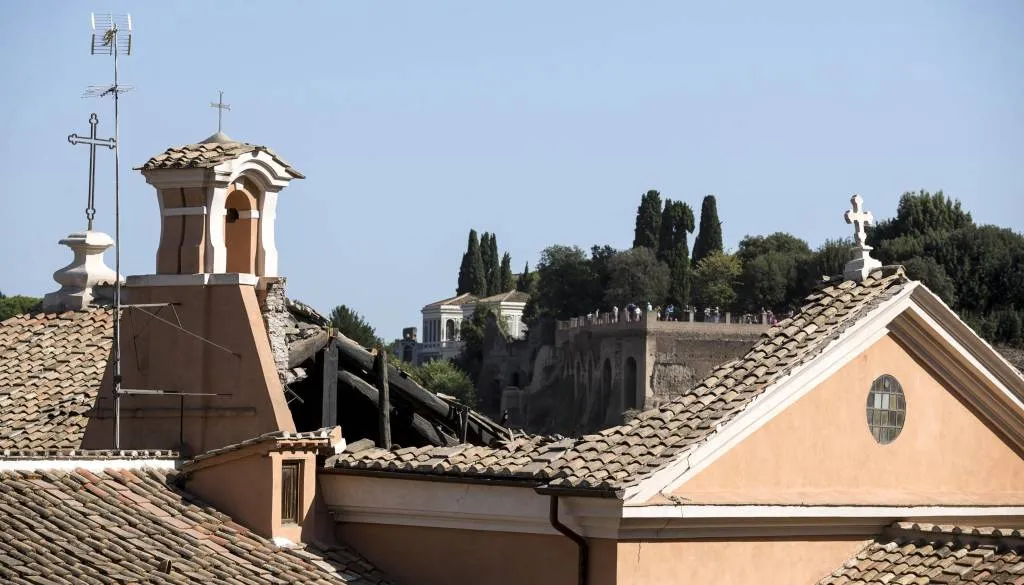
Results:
51 367
622 456
924 554
208 155
131 526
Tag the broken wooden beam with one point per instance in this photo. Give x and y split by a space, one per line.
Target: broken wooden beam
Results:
380 374
419 424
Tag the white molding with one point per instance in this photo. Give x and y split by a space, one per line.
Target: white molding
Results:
998 399
727 511
203 279
774 399
258 165
98 464
216 259
729 521
249 214
178 178
173 211
466 506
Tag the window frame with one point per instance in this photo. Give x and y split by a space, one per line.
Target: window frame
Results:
291 491
886 409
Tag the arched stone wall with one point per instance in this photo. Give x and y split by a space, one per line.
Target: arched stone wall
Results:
629 384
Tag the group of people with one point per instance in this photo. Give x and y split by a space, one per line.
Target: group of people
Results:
633 312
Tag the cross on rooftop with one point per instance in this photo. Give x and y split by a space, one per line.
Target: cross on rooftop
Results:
93 142
221 106
860 219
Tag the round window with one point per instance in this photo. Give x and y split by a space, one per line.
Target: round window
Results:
887 409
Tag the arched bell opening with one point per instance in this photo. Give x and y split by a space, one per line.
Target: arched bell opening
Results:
241 230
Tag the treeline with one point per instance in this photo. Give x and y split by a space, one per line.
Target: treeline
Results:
978 270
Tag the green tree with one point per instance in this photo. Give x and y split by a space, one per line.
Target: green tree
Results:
16 305
352 325
773 271
444 377
648 221
715 279
933 275
709 237
566 283
527 280
828 260
922 213
636 276
492 265
508 281
674 249
472 274
978 270
600 257
472 332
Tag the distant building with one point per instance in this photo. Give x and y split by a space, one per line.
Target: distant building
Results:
442 324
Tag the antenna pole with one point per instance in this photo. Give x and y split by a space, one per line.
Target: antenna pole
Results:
117 258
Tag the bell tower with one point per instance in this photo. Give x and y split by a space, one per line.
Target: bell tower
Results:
218 205
198 369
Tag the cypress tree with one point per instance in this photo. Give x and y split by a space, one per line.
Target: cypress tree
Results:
493 267
666 235
508 283
648 221
471 275
464 285
525 281
677 255
709 238
485 256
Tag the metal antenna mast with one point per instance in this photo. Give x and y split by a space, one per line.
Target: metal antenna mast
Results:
112 36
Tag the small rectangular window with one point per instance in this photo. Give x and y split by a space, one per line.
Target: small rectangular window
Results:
291 487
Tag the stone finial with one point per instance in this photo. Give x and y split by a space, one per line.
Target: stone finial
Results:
86 272
861 263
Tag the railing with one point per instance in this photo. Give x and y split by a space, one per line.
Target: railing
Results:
623 319
439 345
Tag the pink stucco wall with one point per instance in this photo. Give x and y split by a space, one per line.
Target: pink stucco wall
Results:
820 450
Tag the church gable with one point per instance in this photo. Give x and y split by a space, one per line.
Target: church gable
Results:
914 441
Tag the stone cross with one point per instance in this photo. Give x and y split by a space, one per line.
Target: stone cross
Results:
93 142
860 219
221 106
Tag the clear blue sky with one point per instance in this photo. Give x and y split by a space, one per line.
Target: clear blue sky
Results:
540 121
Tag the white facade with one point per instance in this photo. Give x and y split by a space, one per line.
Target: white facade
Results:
442 322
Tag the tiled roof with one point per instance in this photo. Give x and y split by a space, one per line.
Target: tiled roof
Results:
923 554
206 155
457 301
319 436
528 458
51 367
624 455
512 296
130 526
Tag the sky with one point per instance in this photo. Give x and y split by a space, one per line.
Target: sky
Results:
542 122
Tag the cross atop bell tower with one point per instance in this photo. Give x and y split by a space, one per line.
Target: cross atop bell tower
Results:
221 106
861 263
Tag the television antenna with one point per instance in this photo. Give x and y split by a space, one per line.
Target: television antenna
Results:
112 37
